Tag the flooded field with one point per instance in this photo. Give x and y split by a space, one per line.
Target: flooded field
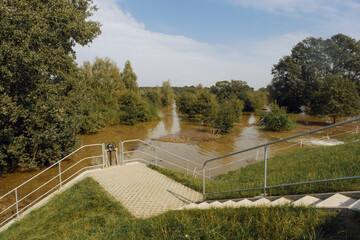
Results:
187 139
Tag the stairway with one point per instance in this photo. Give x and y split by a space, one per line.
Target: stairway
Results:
344 200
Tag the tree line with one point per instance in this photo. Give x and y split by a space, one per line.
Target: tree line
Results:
320 77
46 99
221 105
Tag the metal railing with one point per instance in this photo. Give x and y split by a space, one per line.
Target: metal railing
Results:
156 157
265 146
13 210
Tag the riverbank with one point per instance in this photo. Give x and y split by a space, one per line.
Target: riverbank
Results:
302 165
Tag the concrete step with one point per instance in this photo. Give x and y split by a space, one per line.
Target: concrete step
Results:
261 202
355 206
306 201
229 203
244 203
335 201
191 206
332 201
216 204
280 201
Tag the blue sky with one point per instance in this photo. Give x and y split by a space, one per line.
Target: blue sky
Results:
205 41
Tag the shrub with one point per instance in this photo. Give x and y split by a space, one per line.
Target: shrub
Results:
277 119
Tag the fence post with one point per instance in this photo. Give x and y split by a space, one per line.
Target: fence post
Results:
104 152
156 157
257 155
117 156
265 166
17 203
60 186
204 179
357 129
122 153
301 143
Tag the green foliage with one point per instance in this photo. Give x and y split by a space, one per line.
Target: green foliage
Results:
187 104
336 97
258 99
198 102
239 89
152 96
41 108
228 113
86 211
277 119
133 109
298 78
167 94
129 77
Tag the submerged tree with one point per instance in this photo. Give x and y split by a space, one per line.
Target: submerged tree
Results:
166 94
39 92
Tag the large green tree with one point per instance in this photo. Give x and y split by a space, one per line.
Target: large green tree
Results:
39 92
336 97
297 77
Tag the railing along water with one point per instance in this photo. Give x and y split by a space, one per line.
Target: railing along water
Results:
158 156
13 210
265 146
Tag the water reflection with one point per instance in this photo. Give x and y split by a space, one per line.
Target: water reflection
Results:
203 144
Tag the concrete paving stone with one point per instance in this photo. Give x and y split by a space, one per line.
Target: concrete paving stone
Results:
143 191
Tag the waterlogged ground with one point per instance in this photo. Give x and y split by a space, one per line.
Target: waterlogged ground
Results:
186 138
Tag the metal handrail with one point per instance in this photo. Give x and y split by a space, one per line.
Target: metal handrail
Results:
59 175
122 157
175 155
265 145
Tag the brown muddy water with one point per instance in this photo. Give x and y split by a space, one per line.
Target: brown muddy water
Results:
185 138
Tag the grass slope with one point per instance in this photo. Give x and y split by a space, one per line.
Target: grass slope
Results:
298 166
85 211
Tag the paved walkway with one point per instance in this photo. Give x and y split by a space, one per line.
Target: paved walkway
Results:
143 191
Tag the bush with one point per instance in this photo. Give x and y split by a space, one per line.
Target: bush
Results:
277 119
229 112
133 109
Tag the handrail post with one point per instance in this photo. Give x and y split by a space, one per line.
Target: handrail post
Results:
122 153
265 166
156 157
187 167
117 156
204 179
103 153
60 185
17 203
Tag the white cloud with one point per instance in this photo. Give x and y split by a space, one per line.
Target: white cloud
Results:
290 6
157 57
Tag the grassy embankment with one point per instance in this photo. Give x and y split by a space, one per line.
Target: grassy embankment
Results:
298 166
86 211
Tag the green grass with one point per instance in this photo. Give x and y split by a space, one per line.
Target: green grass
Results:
86 211
301 165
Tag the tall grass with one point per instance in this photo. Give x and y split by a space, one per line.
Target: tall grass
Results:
86 212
